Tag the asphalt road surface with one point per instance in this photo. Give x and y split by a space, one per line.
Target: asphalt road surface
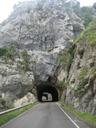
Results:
46 115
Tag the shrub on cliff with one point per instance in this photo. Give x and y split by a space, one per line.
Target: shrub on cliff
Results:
8 52
24 64
89 34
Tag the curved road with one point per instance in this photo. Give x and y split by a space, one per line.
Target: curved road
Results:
46 115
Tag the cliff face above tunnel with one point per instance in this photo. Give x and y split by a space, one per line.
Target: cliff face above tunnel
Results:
44 27
37 31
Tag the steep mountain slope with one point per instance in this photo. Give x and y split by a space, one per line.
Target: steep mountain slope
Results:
30 40
79 78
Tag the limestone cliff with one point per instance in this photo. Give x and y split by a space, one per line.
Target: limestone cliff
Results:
30 40
79 71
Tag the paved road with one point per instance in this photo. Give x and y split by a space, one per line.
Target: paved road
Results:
47 115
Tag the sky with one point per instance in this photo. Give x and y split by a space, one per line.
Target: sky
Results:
6 6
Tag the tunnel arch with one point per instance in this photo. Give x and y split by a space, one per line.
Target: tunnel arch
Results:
47 89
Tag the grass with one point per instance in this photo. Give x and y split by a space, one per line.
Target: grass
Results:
87 117
10 115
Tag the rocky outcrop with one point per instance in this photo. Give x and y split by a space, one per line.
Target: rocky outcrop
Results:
14 83
29 98
42 28
79 80
81 92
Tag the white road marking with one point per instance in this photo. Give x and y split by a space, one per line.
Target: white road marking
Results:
68 116
10 121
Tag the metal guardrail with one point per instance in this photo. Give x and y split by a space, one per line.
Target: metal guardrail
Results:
13 109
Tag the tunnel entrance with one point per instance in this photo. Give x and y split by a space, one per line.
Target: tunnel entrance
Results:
47 94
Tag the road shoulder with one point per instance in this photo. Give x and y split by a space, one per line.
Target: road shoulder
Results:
76 120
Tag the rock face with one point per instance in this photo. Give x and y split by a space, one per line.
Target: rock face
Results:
82 79
13 84
43 28
79 80
29 98
13 81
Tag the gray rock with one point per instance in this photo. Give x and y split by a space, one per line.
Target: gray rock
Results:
43 28
81 82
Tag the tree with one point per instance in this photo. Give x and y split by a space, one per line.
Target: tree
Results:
87 14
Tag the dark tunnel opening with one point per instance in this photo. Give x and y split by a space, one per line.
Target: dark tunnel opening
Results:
47 92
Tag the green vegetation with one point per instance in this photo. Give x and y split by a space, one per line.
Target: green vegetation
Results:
50 49
66 58
86 13
81 88
6 103
89 34
83 80
8 52
88 118
24 64
3 51
10 115
93 70
25 55
83 73
61 85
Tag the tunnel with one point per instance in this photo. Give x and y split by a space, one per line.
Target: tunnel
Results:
44 91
